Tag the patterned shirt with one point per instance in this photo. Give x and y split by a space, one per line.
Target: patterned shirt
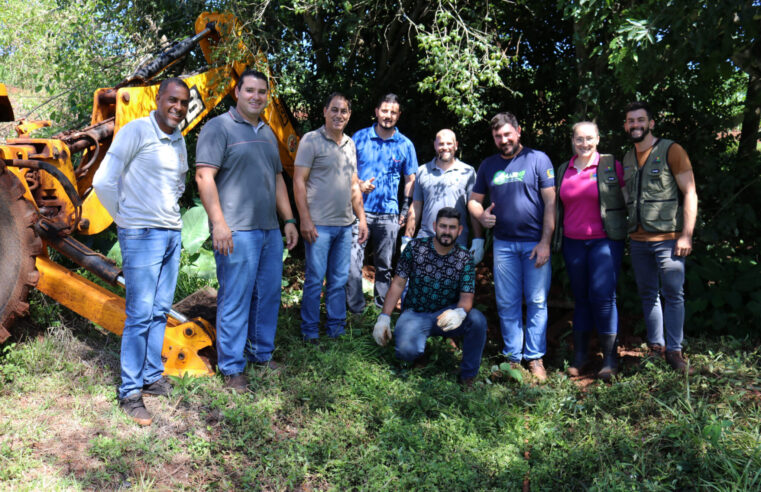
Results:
435 281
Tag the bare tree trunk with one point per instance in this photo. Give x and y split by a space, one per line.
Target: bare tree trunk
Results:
751 117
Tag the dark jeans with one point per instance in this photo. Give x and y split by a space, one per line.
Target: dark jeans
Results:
593 267
382 230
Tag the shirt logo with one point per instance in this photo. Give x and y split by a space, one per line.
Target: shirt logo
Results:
502 177
593 176
550 173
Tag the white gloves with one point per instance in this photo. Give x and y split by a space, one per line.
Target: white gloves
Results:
382 330
450 319
477 250
405 241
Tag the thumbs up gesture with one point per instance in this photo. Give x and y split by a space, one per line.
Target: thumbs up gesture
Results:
367 186
487 218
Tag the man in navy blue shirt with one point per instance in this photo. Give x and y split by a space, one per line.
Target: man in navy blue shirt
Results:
384 155
521 185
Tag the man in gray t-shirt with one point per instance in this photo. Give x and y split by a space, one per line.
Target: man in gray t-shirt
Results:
326 189
443 182
240 181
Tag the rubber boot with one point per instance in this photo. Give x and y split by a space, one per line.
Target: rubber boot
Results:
580 344
609 356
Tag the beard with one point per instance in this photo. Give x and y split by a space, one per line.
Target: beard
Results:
444 239
509 150
645 132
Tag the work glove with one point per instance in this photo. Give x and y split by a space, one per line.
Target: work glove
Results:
451 319
477 250
382 330
405 241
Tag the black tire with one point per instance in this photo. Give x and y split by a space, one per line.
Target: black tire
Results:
19 245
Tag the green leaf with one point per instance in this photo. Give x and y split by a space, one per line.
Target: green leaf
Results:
195 229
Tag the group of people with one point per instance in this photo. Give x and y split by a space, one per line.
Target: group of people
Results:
346 193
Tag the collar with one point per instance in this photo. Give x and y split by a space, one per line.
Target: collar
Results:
344 137
595 162
374 134
432 165
176 135
235 115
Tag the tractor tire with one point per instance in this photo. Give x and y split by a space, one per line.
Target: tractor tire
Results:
19 244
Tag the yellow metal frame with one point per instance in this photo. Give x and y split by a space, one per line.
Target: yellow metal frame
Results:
182 341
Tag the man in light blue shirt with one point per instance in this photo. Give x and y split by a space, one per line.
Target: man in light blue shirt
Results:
139 182
383 156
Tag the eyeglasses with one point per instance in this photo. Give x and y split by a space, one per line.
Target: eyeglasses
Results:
581 140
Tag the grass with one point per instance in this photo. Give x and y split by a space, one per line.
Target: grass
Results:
349 416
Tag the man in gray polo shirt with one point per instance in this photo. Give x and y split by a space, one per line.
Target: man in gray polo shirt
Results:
240 181
139 182
326 189
445 181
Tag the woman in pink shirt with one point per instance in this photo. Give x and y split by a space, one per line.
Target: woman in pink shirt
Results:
591 226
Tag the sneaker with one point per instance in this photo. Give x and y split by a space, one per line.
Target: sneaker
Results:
162 387
237 382
135 408
536 368
677 362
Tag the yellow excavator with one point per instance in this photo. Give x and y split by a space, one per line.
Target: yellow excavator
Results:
45 200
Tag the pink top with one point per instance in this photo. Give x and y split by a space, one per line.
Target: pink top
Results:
581 200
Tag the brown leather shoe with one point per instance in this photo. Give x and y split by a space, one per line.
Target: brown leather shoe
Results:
467 383
536 368
237 382
655 351
135 408
677 362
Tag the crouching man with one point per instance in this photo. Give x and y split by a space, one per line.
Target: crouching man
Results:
439 300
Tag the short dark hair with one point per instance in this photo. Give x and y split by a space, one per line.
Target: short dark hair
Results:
448 213
502 119
171 81
389 98
250 72
636 106
334 95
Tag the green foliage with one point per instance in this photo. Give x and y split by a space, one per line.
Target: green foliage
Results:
198 261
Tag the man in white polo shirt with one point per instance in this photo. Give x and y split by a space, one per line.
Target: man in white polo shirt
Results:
139 182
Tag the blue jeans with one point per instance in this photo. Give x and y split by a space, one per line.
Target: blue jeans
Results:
413 329
659 272
151 260
382 229
515 277
593 267
328 257
248 299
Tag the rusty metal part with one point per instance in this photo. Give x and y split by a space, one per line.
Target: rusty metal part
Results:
49 204
103 267
18 246
79 140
